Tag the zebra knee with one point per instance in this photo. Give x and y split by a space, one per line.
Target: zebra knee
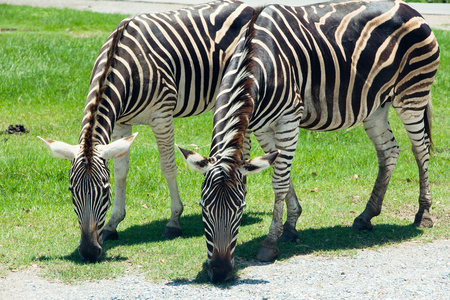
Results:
388 157
169 172
117 216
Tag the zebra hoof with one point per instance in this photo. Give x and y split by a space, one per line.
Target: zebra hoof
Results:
289 235
360 224
172 232
267 253
110 235
423 219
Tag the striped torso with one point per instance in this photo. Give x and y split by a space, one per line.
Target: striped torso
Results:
342 60
168 64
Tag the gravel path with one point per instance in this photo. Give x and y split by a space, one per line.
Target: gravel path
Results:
405 271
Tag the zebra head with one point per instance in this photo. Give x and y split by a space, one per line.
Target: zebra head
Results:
222 202
89 184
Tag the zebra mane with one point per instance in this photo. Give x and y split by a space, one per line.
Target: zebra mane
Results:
234 106
88 136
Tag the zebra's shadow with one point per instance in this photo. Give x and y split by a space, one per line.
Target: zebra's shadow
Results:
192 226
151 232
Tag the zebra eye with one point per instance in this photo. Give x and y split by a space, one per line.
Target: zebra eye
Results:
70 188
243 204
202 203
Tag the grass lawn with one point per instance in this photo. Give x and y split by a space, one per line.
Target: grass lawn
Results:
46 58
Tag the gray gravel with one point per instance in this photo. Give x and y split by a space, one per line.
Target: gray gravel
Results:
405 271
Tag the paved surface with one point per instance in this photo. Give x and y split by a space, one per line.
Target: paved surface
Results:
436 14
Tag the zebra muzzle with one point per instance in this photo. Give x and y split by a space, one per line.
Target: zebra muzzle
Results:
220 266
90 249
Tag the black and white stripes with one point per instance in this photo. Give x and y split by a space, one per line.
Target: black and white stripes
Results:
152 68
324 67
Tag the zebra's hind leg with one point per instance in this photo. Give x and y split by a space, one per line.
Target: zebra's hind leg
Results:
163 130
380 133
418 127
121 166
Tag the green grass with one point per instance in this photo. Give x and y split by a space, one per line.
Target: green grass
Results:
44 78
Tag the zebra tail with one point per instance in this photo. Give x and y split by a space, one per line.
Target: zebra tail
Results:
88 147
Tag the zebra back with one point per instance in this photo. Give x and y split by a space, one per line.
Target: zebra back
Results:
169 62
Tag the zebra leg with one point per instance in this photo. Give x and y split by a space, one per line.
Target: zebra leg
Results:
163 129
414 122
284 138
247 148
380 133
294 210
121 166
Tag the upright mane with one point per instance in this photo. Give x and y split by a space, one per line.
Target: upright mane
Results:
88 136
234 105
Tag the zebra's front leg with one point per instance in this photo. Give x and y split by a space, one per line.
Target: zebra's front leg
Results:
282 186
268 250
283 137
121 166
294 210
246 153
163 129
379 131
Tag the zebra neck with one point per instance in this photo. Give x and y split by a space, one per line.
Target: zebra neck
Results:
100 134
235 102
232 114
98 124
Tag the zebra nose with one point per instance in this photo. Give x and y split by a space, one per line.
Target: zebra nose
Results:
219 269
90 251
89 248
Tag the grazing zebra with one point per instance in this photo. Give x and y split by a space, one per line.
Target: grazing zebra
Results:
152 68
321 67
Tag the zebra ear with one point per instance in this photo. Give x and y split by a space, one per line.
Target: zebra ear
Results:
60 149
117 148
258 164
196 161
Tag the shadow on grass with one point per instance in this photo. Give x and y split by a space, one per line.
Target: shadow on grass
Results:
334 239
312 241
191 225
76 258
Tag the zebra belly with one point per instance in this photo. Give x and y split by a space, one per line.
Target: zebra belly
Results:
331 118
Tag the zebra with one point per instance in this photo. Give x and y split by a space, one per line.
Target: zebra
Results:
320 67
152 68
